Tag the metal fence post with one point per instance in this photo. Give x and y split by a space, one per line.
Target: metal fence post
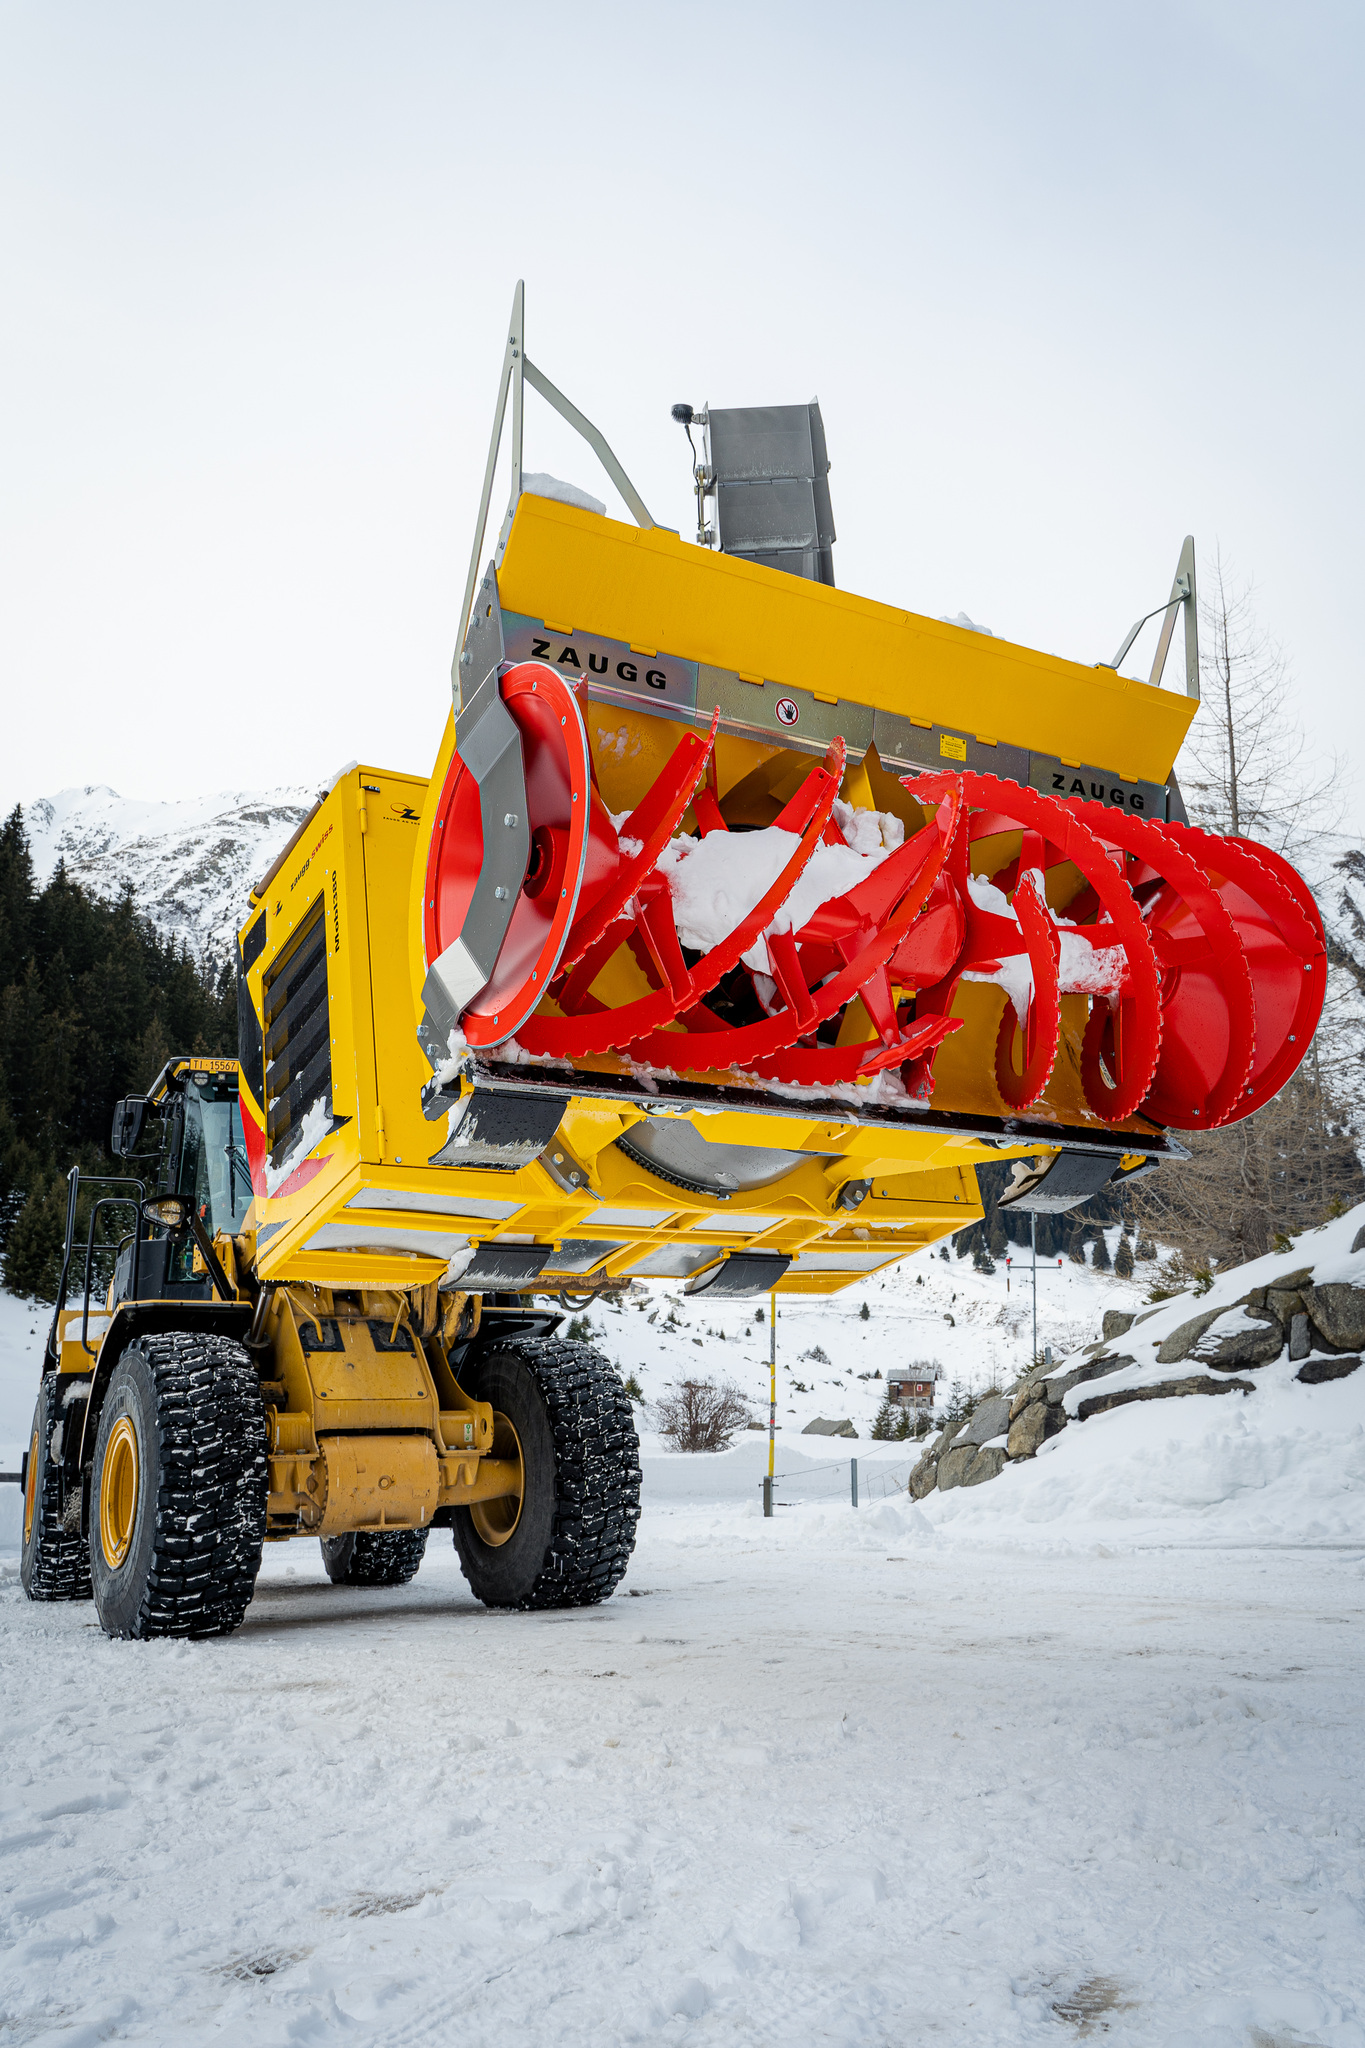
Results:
767 1497
853 1476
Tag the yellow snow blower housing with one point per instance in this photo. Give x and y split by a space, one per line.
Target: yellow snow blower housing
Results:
741 918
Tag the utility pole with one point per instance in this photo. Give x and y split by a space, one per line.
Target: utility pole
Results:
772 1401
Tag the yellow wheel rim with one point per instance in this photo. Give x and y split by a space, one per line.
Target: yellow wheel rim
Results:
31 1487
495 1520
118 1492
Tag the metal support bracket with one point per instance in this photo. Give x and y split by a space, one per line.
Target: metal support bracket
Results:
1183 592
517 371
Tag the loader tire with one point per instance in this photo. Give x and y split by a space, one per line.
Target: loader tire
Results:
373 1557
178 1492
568 1542
55 1563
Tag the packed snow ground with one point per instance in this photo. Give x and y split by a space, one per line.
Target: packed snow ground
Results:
829 1778
1077 1753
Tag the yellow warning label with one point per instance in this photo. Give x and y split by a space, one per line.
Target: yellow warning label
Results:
952 748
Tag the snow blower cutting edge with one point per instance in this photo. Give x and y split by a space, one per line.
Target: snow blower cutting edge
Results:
739 920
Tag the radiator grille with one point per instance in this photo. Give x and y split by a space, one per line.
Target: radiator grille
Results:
298 1044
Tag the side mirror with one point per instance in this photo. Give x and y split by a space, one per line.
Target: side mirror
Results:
129 1115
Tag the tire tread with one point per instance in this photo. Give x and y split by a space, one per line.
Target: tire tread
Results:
597 1468
211 1499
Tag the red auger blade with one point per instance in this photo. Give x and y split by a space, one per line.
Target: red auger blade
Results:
1208 1002
1202 958
1123 1039
1042 1023
603 1030
904 880
1281 936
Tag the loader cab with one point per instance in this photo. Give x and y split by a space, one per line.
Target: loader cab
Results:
201 1155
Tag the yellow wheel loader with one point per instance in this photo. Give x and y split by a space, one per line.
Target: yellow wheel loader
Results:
738 922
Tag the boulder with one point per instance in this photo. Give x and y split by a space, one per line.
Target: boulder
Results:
1358 1241
1060 1385
954 1466
1300 1337
1319 1369
1029 1391
1182 1341
822 1427
1338 1313
1284 1303
924 1478
987 1464
1238 1337
1117 1323
1164 1390
991 1417
1033 1426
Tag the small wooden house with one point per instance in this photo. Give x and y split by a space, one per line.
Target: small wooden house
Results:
917 1391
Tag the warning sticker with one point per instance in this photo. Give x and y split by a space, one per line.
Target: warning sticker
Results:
952 748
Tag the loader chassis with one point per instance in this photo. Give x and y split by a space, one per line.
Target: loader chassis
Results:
179 1430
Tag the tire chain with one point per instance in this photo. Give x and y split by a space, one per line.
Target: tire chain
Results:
597 1460
384 1558
211 1504
60 1568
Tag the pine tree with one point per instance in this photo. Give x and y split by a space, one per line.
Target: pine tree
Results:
982 1260
1100 1257
960 1403
1123 1259
33 1254
884 1422
864 1314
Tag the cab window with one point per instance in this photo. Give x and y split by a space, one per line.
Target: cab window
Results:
213 1164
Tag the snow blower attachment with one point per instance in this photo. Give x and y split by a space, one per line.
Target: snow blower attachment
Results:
747 916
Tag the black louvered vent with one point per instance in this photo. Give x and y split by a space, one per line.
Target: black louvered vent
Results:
298 1044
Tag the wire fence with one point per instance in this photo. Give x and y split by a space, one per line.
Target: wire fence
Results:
859 1482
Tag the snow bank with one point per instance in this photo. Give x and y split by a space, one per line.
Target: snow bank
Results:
1284 1463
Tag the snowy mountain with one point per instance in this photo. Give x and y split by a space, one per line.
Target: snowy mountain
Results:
190 863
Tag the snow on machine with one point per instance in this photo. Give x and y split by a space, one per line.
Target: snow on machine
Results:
739 920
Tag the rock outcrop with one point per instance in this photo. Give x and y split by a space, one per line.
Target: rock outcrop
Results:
1321 1328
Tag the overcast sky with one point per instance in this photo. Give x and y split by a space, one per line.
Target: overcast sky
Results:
1069 282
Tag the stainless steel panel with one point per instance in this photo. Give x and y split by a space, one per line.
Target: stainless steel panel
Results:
1097 786
615 672
902 744
788 718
